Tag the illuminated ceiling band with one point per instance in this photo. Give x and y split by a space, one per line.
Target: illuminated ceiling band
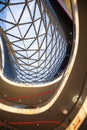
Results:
12 52
34 42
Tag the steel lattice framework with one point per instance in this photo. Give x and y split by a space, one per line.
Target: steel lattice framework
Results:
37 42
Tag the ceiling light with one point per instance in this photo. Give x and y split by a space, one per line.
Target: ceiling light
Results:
5 95
37 124
65 112
39 100
19 100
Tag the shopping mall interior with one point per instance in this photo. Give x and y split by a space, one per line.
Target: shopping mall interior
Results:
43 65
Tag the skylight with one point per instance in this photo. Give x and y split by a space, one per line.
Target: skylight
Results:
38 47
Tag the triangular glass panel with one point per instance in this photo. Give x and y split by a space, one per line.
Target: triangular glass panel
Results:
48 61
2 25
20 62
28 43
48 56
31 53
8 26
48 53
37 13
35 72
8 16
37 25
12 38
40 70
31 61
22 68
50 47
30 74
24 28
46 71
42 42
16 1
41 53
17 10
53 54
35 56
49 39
48 66
34 46
1 6
23 53
54 48
15 32
25 61
42 65
52 62
43 57
42 29
35 64
15 48
45 43
20 44
31 33
19 56
25 16
31 5
41 62
31 68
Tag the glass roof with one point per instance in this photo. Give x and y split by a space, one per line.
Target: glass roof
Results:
37 44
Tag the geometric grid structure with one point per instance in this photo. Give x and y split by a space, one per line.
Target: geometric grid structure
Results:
36 39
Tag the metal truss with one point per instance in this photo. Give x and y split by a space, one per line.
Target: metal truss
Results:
37 43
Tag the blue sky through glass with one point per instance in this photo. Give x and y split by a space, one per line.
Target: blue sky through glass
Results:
38 46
